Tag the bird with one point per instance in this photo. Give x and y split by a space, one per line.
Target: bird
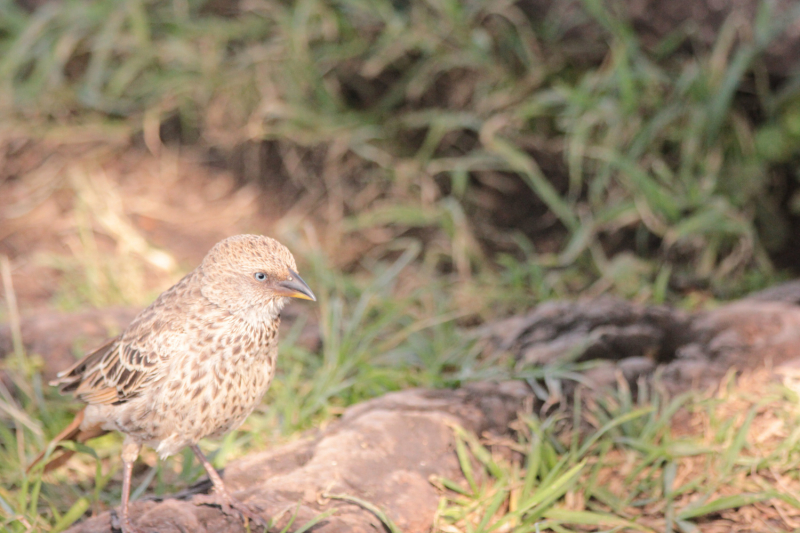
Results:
193 364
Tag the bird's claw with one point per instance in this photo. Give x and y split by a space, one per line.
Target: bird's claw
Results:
231 506
122 524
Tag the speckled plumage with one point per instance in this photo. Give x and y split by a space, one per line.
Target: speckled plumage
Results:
197 361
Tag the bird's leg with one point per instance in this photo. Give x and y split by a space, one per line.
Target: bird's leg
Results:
130 451
221 495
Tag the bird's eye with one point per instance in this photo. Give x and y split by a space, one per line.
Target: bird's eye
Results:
260 276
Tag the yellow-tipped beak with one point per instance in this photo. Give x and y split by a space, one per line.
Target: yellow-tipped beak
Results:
294 287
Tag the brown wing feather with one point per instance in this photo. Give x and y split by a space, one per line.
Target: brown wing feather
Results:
117 371
111 374
69 379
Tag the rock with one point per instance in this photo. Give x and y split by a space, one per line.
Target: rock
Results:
690 350
383 451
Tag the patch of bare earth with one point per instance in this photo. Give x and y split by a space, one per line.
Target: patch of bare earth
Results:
131 219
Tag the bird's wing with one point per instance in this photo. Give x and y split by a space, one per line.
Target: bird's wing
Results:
111 374
117 371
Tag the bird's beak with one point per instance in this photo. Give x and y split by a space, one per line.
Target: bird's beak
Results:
294 287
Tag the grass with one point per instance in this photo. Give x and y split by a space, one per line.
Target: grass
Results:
666 177
628 470
463 160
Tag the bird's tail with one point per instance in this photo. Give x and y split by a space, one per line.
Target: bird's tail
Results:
72 432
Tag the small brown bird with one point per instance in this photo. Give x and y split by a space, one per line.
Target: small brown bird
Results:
193 364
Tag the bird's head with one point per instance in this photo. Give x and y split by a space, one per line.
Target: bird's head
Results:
251 276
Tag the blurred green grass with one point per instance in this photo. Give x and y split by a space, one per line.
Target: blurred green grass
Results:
646 172
665 174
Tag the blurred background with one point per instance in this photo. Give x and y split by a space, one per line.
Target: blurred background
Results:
433 164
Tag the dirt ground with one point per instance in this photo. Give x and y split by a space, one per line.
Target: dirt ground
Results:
158 213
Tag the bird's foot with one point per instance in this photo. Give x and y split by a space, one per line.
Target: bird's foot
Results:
231 507
123 524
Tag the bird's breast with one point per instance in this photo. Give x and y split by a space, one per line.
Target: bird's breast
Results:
212 388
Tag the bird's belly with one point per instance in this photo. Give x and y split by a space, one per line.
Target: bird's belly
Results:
208 404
